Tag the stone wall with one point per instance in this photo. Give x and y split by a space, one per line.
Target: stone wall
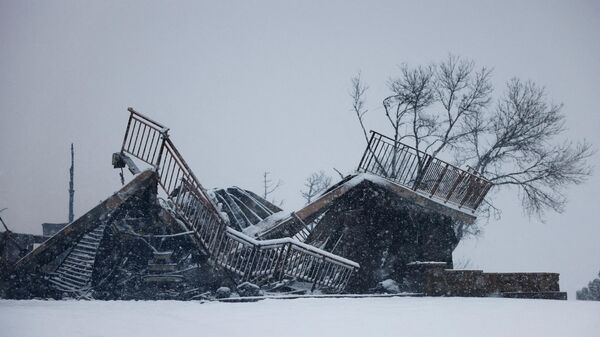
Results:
383 231
435 280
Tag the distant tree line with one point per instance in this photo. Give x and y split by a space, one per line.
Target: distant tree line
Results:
591 292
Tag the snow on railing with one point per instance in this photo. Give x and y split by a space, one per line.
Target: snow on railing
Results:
423 173
149 141
252 260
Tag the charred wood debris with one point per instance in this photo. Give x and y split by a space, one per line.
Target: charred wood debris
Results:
389 228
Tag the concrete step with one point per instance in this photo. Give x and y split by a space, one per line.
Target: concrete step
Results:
546 295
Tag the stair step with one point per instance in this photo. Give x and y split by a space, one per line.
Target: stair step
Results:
162 267
547 295
62 285
94 236
65 286
70 285
80 260
89 241
87 246
77 268
83 250
73 276
81 269
82 255
70 270
163 256
98 231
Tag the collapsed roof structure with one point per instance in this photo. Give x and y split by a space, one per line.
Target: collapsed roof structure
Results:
392 219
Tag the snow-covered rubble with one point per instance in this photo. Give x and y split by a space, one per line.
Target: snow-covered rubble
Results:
267 223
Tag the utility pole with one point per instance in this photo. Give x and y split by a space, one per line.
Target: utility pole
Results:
71 190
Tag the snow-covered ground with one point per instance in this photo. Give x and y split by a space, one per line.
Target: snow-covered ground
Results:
447 317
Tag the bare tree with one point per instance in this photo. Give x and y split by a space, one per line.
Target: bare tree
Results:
269 187
357 92
315 184
405 110
516 145
445 109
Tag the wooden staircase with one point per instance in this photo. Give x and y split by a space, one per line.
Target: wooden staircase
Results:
245 257
74 274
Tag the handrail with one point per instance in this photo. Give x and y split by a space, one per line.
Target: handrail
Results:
423 173
422 152
154 147
297 244
146 118
246 257
259 260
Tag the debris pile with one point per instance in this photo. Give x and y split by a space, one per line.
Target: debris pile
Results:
389 228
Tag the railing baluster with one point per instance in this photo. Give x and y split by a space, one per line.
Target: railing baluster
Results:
439 180
369 152
360 165
402 166
485 190
135 142
130 134
140 154
378 159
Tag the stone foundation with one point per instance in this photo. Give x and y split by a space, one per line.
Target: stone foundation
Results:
434 280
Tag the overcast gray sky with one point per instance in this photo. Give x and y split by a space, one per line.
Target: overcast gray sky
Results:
252 86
